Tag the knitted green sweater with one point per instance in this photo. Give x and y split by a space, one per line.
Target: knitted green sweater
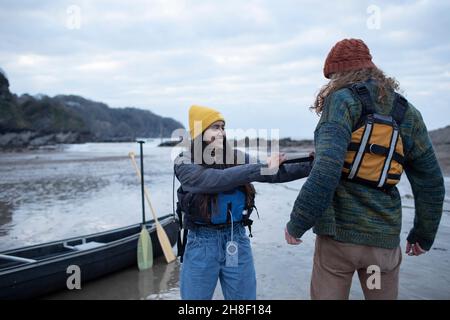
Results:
354 213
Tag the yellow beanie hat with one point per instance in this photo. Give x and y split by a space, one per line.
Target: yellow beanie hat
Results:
200 118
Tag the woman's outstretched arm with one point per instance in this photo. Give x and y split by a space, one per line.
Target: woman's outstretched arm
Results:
198 179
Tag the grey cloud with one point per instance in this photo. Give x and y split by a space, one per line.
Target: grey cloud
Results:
259 61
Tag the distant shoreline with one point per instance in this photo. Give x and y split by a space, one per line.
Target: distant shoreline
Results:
288 145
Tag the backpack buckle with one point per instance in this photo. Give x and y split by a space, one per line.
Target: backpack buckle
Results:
377 149
361 89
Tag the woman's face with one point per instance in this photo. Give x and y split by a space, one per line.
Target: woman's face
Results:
215 134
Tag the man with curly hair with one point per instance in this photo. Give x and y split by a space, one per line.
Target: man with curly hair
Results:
350 198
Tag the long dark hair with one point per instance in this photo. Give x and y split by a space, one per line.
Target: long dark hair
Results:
228 158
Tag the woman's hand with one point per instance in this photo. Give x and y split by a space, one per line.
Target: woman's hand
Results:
275 160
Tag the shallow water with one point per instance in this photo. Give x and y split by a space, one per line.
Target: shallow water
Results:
81 189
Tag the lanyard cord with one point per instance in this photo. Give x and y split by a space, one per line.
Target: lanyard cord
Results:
232 228
173 195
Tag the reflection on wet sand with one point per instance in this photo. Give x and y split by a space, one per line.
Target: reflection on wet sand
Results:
6 210
157 283
61 188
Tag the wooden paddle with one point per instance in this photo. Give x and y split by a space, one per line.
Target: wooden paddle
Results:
161 233
145 246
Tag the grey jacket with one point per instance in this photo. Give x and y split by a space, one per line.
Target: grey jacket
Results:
195 178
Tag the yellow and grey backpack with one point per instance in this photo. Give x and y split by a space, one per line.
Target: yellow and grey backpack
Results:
375 154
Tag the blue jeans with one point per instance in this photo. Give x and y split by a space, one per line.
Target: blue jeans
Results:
204 264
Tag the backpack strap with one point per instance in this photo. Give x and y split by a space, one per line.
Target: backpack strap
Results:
399 109
182 230
182 234
363 94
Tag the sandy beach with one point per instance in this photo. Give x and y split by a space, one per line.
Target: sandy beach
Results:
87 188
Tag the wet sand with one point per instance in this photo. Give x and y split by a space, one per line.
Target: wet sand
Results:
158 283
283 271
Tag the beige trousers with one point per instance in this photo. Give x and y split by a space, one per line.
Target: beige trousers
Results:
336 262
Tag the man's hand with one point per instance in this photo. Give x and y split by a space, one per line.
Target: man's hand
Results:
414 249
290 239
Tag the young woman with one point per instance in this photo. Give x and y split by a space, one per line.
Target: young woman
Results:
217 198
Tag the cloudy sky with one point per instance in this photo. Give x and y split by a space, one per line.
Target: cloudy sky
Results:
258 62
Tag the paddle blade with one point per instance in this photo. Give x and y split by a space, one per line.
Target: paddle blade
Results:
144 250
165 243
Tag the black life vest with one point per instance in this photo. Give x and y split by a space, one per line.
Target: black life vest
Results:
233 204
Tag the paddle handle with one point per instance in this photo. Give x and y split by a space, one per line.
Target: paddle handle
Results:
144 192
299 159
142 181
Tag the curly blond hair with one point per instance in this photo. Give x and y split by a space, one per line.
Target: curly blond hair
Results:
343 79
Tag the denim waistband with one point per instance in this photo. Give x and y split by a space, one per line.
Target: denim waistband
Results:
205 231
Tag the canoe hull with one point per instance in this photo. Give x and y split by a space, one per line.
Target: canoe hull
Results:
50 274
